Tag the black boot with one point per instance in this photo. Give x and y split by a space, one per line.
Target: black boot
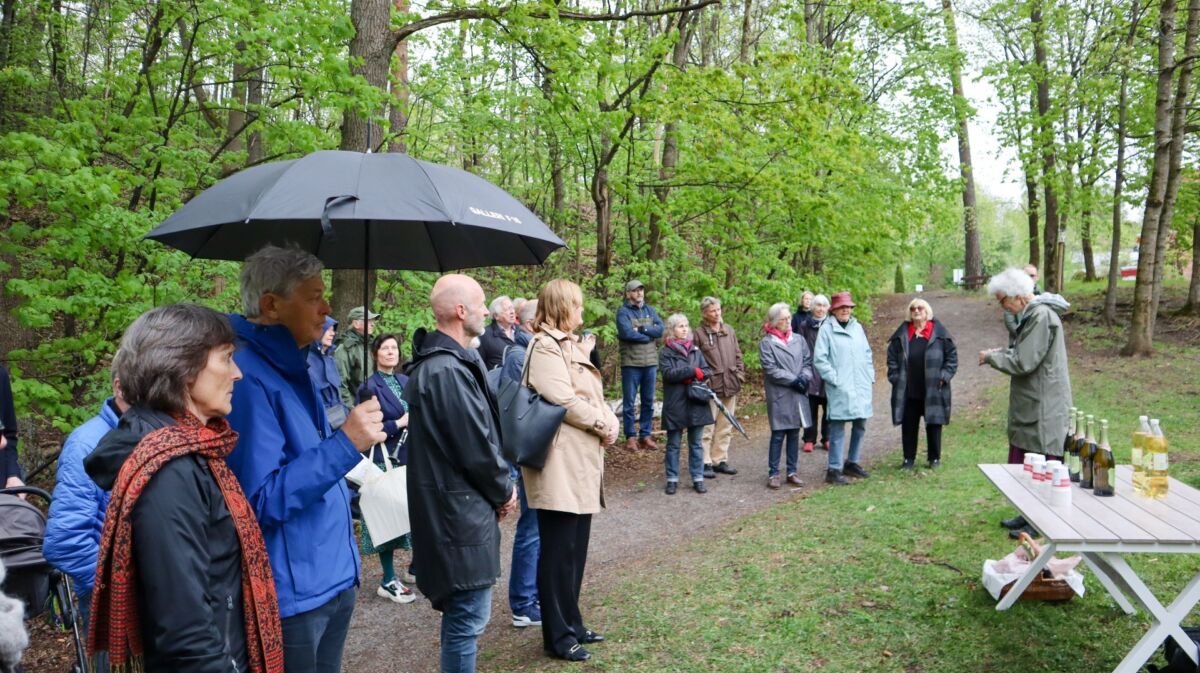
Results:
835 477
1015 523
1016 533
855 470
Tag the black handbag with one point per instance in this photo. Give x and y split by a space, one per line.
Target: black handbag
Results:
528 423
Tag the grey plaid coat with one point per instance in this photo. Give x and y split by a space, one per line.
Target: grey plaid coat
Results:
941 362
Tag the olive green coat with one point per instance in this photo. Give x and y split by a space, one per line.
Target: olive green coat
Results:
1039 399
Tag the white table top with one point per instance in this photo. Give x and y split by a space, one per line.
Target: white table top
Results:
1119 519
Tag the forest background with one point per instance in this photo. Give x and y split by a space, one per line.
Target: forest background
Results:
747 149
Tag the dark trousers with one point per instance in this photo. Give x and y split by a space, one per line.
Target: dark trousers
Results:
818 402
910 427
313 640
560 576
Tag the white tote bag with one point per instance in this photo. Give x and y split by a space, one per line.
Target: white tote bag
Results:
384 503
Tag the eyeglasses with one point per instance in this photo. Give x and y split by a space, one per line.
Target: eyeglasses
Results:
915 309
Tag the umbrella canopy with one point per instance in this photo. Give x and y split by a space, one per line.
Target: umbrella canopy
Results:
361 211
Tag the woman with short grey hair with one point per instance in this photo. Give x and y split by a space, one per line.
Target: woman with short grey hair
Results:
177 516
787 371
1011 283
681 364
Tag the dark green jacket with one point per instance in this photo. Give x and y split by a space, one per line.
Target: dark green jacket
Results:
348 356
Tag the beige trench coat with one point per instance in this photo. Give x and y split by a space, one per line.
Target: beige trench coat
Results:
572 480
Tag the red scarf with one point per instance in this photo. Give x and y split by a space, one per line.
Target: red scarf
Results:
926 332
783 336
116 625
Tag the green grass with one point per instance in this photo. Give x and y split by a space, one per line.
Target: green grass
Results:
884 575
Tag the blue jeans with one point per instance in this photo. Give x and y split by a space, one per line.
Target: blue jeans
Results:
313 640
522 581
837 432
695 453
464 616
631 379
776 447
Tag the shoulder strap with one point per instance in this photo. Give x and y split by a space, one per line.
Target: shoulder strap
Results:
525 368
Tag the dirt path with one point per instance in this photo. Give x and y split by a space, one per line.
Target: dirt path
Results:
641 523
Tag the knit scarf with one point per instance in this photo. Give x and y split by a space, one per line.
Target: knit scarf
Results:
783 336
680 345
116 626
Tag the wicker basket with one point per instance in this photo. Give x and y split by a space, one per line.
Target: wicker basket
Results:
1042 588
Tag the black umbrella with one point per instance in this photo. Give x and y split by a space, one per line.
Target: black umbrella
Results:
712 394
361 211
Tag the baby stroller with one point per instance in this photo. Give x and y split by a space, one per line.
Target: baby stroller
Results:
30 578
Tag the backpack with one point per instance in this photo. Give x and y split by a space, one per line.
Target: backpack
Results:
1178 660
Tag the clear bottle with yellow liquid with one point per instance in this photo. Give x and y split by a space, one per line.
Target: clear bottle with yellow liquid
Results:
1156 461
1138 453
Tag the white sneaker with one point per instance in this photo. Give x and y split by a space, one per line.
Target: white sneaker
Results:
397 592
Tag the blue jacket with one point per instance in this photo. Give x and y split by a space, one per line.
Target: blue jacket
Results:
76 519
843 359
324 373
393 409
291 467
638 332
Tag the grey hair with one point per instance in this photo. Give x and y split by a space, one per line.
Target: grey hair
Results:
673 321
528 310
275 270
494 307
777 310
820 300
1011 282
709 301
113 365
163 352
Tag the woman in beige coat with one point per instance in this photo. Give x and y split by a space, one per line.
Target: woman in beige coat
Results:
569 488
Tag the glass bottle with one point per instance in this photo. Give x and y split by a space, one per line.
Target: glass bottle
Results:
1086 454
1080 442
1069 441
1103 467
1140 437
1156 461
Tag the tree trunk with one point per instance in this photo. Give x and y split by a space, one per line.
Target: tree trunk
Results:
398 116
744 44
1045 137
670 154
972 258
1033 215
371 48
601 199
1114 257
1141 325
1192 307
1178 122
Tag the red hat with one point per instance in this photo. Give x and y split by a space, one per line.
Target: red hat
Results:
841 299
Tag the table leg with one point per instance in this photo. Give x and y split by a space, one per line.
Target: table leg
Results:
1025 580
1166 619
1104 573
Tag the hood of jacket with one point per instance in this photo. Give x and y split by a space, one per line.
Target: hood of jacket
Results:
1054 301
104 463
316 344
348 338
426 344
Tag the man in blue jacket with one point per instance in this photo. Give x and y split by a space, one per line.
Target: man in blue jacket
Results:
290 463
638 330
76 518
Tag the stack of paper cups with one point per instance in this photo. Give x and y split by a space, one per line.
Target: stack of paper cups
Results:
1029 466
1048 482
1060 486
1038 465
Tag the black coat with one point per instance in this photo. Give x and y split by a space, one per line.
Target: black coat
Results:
809 328
492 343
456 477
9 467
679 411
188 556
941 362
393 411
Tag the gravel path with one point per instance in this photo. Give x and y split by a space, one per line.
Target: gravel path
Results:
640 522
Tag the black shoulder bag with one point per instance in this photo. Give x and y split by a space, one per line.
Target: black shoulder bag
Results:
528 423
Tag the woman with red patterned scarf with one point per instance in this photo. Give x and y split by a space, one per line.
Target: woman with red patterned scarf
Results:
787 370
183 582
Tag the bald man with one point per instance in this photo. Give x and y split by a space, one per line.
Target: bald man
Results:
458 485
